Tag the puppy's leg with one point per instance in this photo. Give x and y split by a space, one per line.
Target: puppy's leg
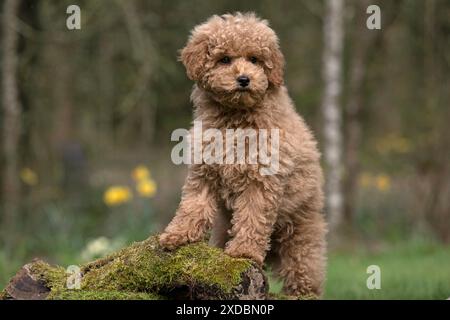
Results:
221 225
254 214
194 216
301 254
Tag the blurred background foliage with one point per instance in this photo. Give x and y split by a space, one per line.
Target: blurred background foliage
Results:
98 105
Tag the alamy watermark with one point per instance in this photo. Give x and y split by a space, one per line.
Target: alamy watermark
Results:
373 22
228 146
73 281
374 280
73 21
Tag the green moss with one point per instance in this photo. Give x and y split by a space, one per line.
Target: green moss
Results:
101 295
54 277
208 265
144 267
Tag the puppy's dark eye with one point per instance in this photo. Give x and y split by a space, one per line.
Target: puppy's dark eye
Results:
225 60
253 60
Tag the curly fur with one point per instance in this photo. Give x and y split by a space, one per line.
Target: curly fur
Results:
252 216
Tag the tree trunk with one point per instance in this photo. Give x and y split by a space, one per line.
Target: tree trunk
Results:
436 210
11 116
332 62
358 71
145 271
363 50
140 98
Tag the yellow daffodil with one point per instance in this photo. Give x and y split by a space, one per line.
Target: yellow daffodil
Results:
29 177
383 182
140 173
146 188
116 195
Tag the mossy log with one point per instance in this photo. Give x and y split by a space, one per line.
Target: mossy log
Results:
145 271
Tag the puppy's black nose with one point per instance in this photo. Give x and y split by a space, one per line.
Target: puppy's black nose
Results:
243 81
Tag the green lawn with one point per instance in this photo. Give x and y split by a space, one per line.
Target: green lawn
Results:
409 271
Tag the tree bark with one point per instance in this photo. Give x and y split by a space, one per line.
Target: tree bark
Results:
145 271
364 48
362 37
139 97
436 210
11 116
331 110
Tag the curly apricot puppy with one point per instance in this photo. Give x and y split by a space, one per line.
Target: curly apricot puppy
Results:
237 65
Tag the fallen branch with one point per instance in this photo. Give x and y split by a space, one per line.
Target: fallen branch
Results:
145 271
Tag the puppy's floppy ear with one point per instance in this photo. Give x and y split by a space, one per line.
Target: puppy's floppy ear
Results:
275 66
194 56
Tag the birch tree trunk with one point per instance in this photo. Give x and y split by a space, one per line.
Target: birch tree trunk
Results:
332 61
11 115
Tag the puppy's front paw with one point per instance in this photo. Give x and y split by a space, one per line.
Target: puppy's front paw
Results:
170 240
244 252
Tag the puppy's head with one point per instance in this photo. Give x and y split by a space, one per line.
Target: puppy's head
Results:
236 58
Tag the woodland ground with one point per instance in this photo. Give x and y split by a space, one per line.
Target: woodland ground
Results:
410 270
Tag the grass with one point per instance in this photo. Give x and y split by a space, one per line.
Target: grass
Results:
408 271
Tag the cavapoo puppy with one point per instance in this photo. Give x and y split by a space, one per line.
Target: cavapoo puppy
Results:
237 66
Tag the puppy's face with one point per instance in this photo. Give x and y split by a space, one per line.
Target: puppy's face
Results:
235 58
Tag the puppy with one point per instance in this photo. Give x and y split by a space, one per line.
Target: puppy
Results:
237 66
